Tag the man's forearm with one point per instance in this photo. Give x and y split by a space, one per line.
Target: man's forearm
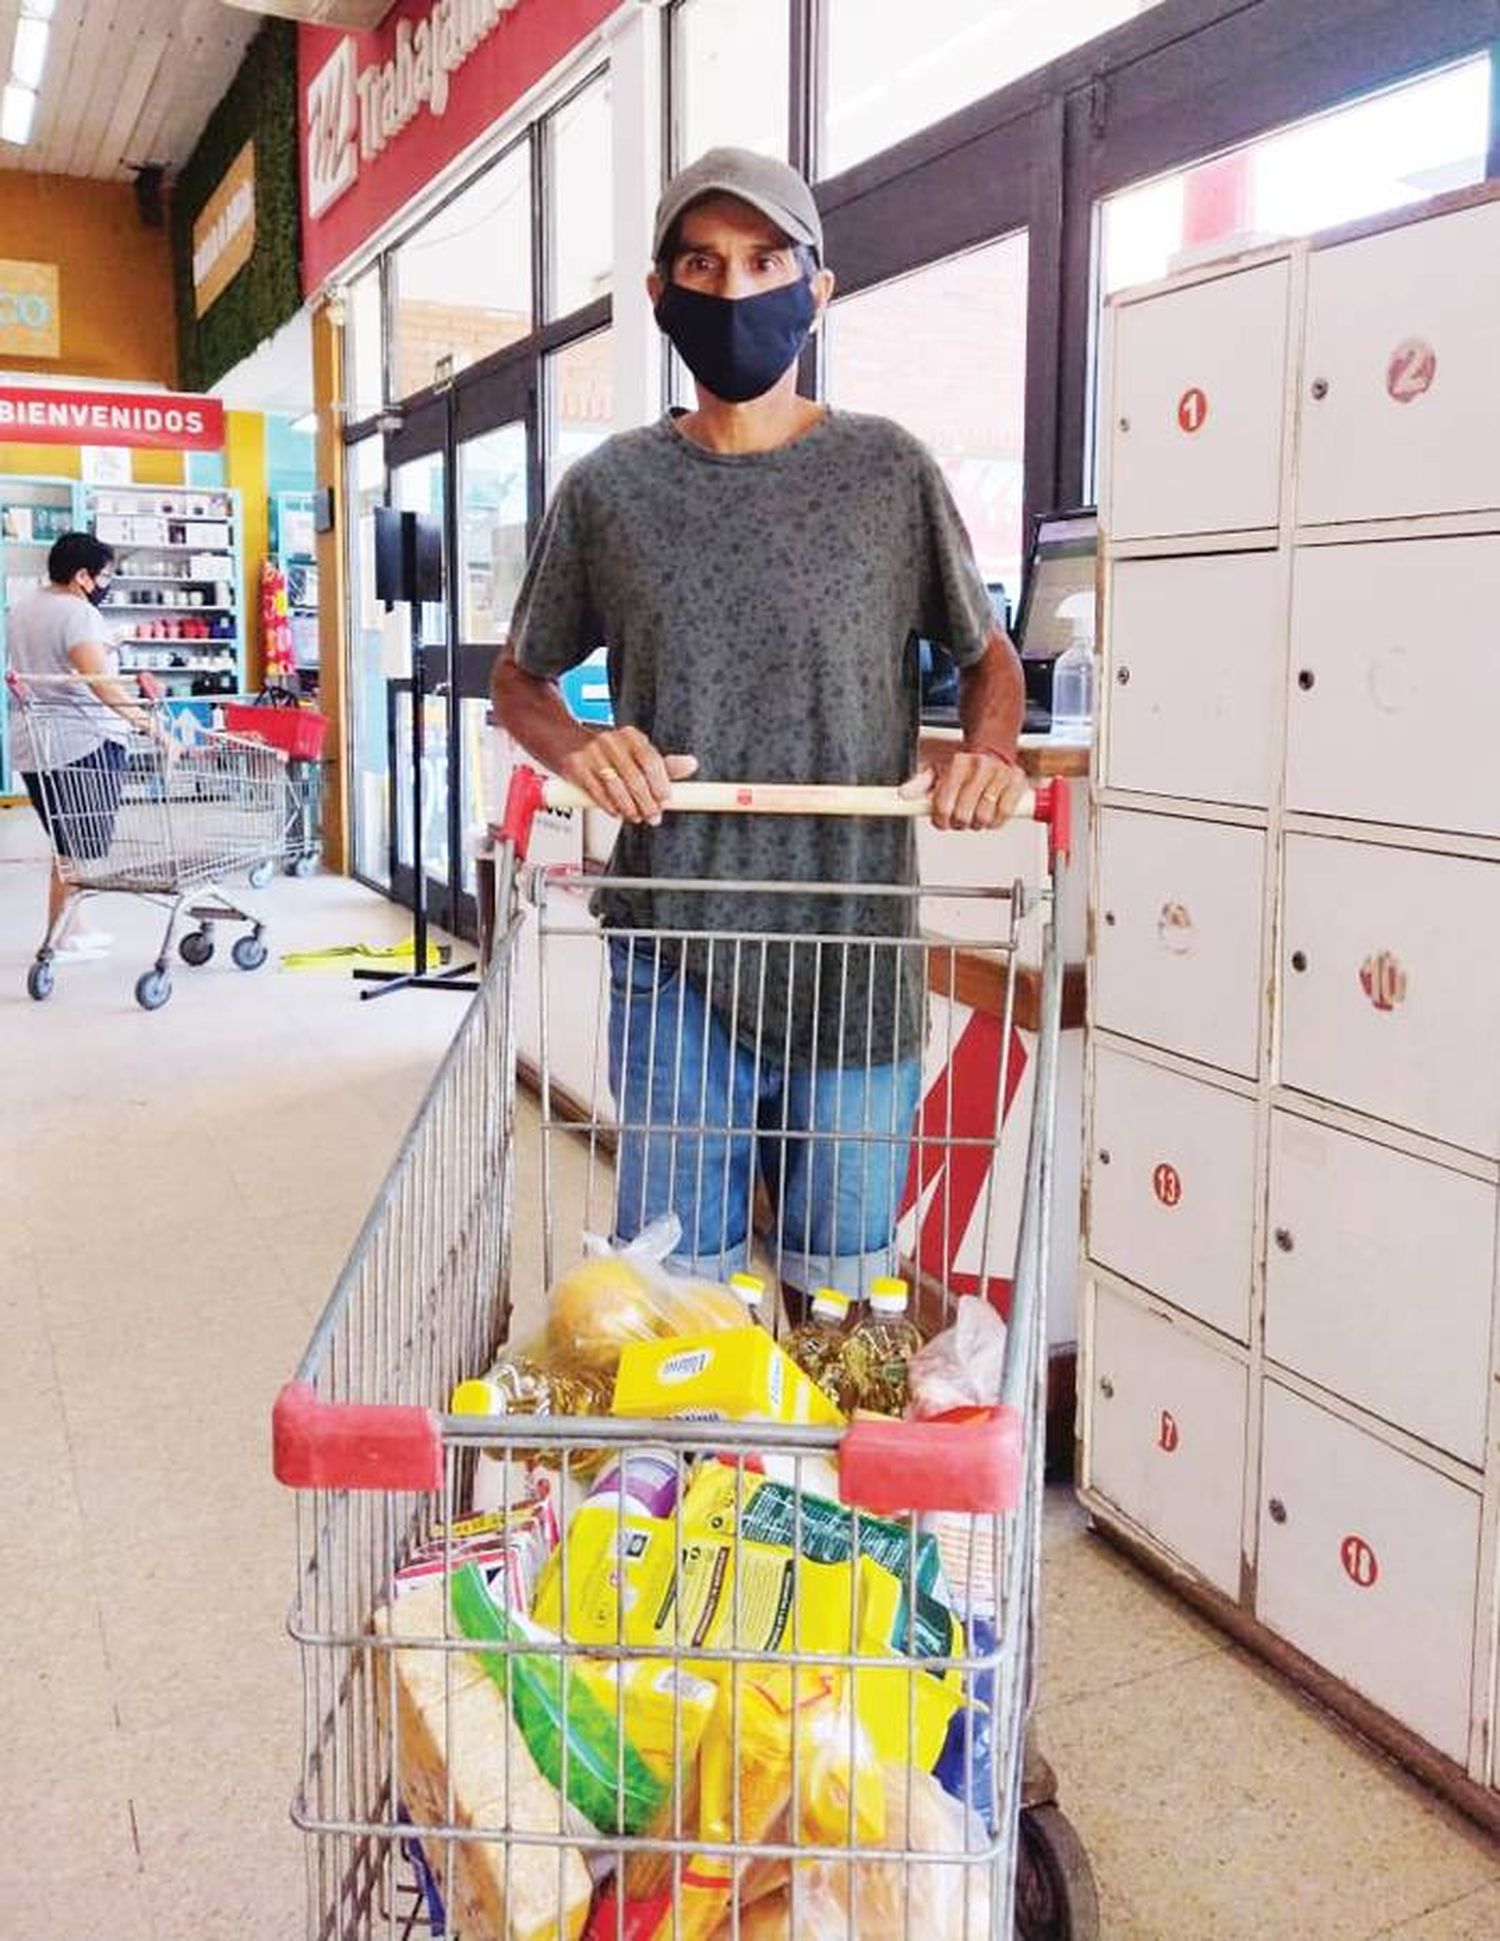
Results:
534 712
992 698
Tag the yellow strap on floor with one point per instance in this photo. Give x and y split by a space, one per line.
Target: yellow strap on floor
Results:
346 956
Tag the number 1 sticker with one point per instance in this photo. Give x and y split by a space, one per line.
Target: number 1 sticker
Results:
1192 409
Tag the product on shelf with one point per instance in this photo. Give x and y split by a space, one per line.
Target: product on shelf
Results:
877 1353
817 1346
752 1292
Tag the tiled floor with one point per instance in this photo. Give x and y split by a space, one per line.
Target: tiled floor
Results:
176 1193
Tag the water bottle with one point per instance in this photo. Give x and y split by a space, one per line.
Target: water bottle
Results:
1073 688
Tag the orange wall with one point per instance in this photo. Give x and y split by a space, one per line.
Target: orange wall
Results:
118 319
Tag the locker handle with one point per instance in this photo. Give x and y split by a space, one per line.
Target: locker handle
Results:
1284 1239
1106 1388
1306 680
1299 960
1320 387
1277 1510
1122 675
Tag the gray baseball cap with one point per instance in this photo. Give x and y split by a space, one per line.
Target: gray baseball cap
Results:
778 191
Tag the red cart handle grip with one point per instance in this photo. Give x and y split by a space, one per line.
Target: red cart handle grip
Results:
970 1464
353 1445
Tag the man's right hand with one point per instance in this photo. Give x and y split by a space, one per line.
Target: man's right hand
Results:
623 774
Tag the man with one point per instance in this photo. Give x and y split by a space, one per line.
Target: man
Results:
76 774
760 569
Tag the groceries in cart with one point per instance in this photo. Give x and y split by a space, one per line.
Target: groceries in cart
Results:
655 1642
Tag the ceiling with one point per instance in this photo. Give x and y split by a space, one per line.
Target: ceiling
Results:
135 84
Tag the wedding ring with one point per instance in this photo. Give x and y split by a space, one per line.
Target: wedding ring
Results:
609 775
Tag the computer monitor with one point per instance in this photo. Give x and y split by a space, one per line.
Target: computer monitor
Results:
1059 583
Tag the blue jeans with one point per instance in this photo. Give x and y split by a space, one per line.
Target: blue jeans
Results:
700 1116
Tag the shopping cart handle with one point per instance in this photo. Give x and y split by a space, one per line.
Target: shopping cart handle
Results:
529 791
353 1445
972 1465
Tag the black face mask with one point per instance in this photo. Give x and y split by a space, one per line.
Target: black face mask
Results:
98 593
737 347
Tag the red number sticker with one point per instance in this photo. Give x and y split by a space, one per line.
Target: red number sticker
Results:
1411 371
1166 1183
1192 410
1383 980
1167 1435
1361 1566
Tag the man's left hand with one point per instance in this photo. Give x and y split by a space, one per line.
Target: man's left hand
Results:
971 788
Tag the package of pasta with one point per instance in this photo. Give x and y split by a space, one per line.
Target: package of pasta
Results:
758 1567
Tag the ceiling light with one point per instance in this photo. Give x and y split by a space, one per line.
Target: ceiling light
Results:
16 110
38 9
30 56
307 422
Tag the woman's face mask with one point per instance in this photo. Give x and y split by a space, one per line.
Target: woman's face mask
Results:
737 347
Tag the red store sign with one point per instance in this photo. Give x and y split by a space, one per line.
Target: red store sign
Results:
382 113
153 420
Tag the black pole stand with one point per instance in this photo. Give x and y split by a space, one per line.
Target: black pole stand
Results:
457 977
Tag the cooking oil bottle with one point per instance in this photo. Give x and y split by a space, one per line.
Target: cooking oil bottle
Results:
876 1354
818 1345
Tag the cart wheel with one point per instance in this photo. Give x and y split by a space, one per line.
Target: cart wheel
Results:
1055 1895
260 875
197 946
303 865
152 989
249 953
40 979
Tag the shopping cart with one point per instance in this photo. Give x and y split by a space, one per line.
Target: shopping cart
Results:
277 718
176 812
812 1720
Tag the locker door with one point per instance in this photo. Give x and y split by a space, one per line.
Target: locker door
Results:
1380 636
1388 1001
1368 1563
1378 1281
1166 1437
1172 1188
1196 407
1193 657
1400 412
1177 935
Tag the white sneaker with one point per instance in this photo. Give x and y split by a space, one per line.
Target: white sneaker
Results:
93 943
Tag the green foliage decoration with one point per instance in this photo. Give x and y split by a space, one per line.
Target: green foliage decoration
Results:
260 104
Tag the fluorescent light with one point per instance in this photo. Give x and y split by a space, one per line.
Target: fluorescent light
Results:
30 56
38 9
16 110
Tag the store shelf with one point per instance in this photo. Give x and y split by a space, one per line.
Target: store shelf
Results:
175 506
22 564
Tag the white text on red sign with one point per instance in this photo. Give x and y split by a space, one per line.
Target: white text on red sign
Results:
354 113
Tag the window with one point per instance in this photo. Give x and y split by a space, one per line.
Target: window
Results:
582 231
462 284
492 529
580 402
732 76
943 351
893 68
365 370
1393 148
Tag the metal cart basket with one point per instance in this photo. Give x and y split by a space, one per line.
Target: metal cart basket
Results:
167 816
675 1675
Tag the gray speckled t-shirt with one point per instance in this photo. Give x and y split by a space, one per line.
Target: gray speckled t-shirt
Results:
761 612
